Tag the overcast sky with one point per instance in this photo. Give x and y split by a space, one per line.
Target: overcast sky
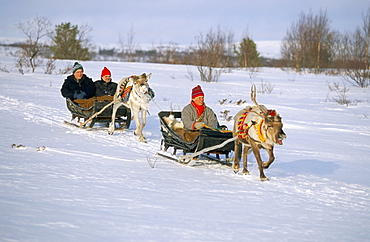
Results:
179 21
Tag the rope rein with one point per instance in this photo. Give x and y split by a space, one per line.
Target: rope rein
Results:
188 158
97 113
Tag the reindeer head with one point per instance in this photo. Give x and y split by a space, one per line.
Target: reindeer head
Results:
272 126
141 82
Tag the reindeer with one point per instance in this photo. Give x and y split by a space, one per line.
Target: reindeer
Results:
257 128
138 101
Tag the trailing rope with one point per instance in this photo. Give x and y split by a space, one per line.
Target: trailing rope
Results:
97 113
156 104
241 133
205 150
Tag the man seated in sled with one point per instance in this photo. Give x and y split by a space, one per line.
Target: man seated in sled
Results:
78 85
105 86
196 114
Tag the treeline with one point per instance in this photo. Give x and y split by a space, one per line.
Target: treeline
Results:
310 45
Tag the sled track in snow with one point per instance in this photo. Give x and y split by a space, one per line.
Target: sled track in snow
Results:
325 192
44 115
31 112
319 190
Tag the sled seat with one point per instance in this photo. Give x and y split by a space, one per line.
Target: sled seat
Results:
207 137
85 108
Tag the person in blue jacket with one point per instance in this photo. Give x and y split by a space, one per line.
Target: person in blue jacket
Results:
78 85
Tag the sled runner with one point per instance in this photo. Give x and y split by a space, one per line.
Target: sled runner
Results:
86 108
214 142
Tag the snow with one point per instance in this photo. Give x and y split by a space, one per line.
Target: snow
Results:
89 186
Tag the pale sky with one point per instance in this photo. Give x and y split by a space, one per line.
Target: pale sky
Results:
179 21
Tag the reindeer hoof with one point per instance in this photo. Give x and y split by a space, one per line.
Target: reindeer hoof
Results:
111 129
264 179
265 165
236 171
245 172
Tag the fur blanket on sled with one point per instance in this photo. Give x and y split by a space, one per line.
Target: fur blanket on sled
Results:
178 128
87 103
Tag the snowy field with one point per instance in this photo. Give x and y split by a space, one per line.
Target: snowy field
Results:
89 186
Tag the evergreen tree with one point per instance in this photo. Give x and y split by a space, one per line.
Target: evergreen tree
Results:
247 54
69 42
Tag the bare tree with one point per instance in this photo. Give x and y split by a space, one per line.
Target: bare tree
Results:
212 54
366 36
339 94
167 54
308 44
355 52
128 45
31 50
340 50
85 38
50 66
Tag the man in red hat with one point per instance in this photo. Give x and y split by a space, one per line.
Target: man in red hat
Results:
196 114
105 86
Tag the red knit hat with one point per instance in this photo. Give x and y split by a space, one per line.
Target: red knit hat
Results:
196 92
105 72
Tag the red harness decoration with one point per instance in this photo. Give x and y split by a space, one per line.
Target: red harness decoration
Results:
243 127
271 113
126 91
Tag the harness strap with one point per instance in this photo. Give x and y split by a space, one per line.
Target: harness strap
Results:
266 146
242 126
259 130
125 91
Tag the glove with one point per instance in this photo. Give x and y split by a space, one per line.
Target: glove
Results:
151 93
198 125
80 95
223 127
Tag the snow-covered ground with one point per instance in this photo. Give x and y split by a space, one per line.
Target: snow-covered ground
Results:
89 186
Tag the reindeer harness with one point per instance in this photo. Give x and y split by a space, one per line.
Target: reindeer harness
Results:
244 127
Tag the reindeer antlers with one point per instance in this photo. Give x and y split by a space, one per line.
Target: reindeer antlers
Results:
253 94
253 98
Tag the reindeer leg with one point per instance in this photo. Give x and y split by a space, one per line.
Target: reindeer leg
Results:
143 123
237 152
270 152
112 124
138 130
257 154
140 125
245 158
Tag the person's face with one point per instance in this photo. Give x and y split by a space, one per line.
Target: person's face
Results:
199 100
106 78
78 74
